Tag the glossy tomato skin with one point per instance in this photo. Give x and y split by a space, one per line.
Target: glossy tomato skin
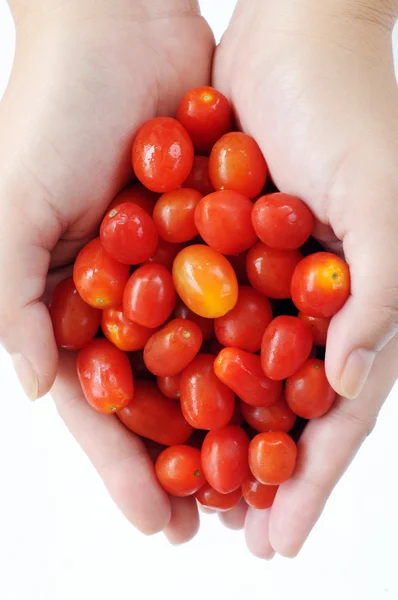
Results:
286 345
258 495
236 163
129 234
241 371
206 325
105 376
319 328
165 254
179 470
170 386
99 278
270 271
162 154
153 416
123 333
75 323
282 221
205 281
207 115
225 458
199 179
136 194
173 347
308 392
210 498
277 417
149 297
174 215
223 220
321 284
272 457
205 401
244 325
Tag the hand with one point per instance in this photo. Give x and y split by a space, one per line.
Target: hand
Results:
86 75
314 84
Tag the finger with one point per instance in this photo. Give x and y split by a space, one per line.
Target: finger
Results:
184 522
325 450
119 456
257 533
234 518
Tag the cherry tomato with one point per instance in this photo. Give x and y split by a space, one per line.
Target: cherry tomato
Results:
105 376
165 254
241 371
272 457
282 221
198 178
236 163
152 415
308 392
99 278
173 347
206 325
210 498
170 386
162 154
223 220
136 194
244 325
270 271
174 215
205 281
258 495
278 417
225 458
319 327
206 114
321 284
205 401
238 262
128 234
286 345
123 333
179 470
75 323
149 297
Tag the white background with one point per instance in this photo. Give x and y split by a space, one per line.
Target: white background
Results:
61 537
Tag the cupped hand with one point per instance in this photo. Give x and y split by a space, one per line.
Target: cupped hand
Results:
314 84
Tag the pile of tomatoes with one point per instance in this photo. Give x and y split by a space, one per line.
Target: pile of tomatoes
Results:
200 313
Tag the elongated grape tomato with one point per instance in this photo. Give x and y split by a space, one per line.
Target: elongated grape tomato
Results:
179 470
272 457
308 392
258 495
174 215
277 417
270 271
123 333
209 497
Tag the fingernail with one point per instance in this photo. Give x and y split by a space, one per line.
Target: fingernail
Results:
26 375
356 371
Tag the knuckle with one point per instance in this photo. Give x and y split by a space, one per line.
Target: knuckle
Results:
365 424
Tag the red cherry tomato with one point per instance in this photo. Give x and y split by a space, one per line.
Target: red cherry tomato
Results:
236 163
136 194
198 178
170 386
99 278
105 376
282 221
174 215
321 284
223 220
206 325
206 402
272 457
179 470
319 327
173 347
205 281
210 498
244 325
258 495
286 345
206 114
270 271
225 458
241 371
123 333
149 297
128 234
154 416
308 392
75 323
162 154
238 262
165 254
278 417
